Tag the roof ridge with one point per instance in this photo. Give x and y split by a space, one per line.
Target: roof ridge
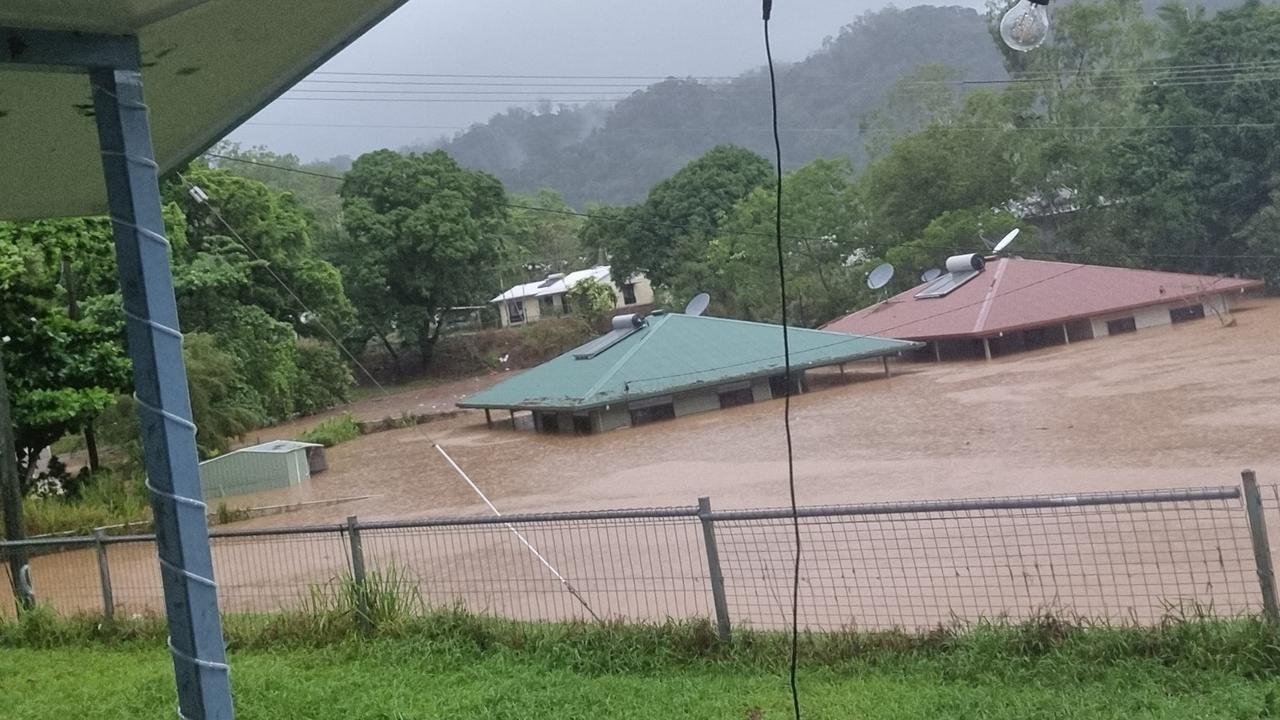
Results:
738 321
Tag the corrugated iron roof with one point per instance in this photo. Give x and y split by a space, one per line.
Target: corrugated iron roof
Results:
1016 293
541 288
278 446
672 353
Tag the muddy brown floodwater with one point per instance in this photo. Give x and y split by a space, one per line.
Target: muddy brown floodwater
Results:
1187 405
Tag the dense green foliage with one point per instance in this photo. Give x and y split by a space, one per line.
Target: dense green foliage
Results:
332 431
423 235
246 362
451 664
592 299
60 328
664 235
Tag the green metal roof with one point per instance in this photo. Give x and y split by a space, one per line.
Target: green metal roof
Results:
675 353
207 66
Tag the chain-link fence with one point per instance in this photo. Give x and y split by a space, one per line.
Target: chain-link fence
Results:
1118 557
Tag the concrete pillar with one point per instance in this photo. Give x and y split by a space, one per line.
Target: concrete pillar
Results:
986 347
937 351
1066 336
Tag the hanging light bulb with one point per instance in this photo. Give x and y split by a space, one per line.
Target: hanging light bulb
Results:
1026 25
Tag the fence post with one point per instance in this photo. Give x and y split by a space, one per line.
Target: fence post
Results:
713 566
104 574
357 570
1261 546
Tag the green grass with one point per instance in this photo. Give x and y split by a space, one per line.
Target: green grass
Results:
106 499
366 391
333 431
454 665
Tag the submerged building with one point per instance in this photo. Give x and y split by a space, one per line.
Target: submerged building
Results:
986 309
530 302
668 365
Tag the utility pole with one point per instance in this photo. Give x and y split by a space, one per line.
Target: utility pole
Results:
11 497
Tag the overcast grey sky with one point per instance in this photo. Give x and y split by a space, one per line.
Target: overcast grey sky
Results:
527 37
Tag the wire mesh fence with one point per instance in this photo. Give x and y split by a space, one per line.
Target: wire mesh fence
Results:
1114 557
916 568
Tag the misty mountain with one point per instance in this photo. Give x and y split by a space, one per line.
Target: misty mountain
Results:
615 154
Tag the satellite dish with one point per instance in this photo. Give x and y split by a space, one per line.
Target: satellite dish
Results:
697 305
880 276
930 275
1004 242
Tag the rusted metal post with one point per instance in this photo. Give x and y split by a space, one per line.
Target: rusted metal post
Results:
842 377
488 419
357 571
104 574
885 360
718 598
1261 546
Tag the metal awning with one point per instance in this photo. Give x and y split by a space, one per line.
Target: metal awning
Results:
208 65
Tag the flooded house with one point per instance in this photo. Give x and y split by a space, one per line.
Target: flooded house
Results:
668 365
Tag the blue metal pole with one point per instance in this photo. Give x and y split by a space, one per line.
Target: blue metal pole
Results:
164 407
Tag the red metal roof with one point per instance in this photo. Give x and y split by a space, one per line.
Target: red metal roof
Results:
1015 293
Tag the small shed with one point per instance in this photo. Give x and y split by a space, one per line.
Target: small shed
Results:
270 465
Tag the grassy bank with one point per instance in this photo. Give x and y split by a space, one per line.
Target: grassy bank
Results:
451 665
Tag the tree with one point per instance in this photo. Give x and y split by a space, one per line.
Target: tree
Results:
822 223
315 193
541 235
944 167
423 236
592 299
214 271
683 212
62 371
601 231
1183 193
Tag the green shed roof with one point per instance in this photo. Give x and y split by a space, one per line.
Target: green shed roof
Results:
674 353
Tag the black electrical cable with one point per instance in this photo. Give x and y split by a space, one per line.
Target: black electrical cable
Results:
786 366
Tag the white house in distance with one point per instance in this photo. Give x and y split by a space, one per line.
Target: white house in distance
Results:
548 298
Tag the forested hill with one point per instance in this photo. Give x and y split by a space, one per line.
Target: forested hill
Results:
616 154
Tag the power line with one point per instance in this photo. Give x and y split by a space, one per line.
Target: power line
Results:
816 238
433 93
505 101
496 76
728 93
858 130
358 127
445 83
1176 69
199 196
